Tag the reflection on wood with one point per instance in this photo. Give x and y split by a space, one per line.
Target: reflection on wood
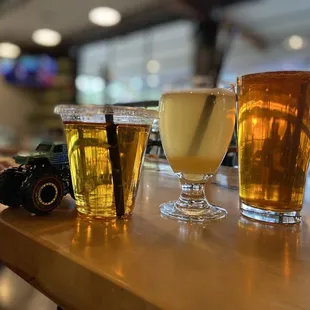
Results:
149 262
17 294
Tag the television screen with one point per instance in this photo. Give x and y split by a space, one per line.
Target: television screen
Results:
30 70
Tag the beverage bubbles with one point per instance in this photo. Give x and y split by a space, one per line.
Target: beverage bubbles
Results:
196 127
273 144
106 146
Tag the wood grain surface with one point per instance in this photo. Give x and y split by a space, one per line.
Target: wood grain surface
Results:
150 262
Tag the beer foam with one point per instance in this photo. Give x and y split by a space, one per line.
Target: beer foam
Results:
302 75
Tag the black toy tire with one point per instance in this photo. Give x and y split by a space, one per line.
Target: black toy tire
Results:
10 183
42 195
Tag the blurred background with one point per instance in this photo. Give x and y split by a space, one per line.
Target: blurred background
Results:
128 52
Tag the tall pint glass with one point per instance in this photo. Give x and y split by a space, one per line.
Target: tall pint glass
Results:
273 144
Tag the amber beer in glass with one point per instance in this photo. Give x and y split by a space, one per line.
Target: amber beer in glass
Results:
273 144
106 146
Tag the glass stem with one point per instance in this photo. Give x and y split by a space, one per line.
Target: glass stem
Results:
193 197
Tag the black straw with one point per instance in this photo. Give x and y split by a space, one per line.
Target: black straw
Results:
202 124
116 166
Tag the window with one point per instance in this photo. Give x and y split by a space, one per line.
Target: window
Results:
43 148
58 149
136 67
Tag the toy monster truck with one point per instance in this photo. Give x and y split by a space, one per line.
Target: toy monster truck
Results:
41 180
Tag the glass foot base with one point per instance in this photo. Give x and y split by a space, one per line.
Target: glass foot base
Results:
270 216
213 213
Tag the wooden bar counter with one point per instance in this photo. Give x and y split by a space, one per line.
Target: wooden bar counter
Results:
150 262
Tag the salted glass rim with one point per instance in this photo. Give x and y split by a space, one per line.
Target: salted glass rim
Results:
117 110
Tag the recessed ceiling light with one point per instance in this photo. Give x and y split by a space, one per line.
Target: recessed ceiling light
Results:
153 66
9 50
46 37
104 16
295 42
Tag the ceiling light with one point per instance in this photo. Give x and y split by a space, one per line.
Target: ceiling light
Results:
46 37
153 66
9 50
295 42
104 16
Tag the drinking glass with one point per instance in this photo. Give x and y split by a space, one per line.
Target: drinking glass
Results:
196 127
273 144
106 146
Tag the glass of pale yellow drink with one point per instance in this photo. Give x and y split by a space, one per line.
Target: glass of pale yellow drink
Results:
196 127
106 147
